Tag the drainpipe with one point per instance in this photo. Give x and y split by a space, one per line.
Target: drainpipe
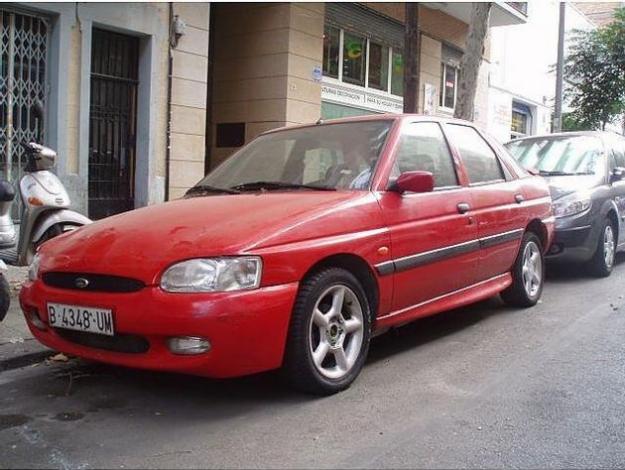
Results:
169 85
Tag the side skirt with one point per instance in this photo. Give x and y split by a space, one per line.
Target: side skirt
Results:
467 295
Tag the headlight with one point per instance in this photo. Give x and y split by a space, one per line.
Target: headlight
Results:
570 207
33 268
213 275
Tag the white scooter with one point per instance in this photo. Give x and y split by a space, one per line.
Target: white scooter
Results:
45 214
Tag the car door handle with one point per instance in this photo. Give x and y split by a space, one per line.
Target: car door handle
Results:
463 207
519 198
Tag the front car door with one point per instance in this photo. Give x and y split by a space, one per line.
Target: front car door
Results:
616 159
498 200
433 235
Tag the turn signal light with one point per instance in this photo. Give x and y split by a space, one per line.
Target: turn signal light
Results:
188 345
35 201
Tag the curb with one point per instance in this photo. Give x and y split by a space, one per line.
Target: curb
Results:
25 360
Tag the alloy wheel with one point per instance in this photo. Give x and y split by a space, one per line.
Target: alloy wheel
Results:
532 269
336 331
608 246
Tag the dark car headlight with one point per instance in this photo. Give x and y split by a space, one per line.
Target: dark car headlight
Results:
571 206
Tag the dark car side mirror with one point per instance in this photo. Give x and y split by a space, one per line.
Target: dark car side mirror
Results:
414 182
617 174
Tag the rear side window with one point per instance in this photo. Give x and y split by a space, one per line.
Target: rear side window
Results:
479 159
423 148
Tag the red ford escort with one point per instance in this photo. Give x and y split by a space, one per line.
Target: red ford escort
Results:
295 250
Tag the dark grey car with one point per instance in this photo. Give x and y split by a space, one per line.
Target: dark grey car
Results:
586 175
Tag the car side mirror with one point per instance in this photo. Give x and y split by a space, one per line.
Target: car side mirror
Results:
618 174
414 182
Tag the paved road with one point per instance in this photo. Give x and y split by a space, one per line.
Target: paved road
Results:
485 386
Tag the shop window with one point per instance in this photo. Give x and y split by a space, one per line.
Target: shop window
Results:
354 53
397 77
449 85
378 66
521 120
331 44
352 58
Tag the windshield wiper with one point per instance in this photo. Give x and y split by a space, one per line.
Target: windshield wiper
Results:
204 188
269 185
562 173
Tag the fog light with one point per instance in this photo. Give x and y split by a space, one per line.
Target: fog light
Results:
33 316
188 345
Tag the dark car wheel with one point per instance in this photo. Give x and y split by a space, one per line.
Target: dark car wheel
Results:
602 261
329 333
528 274
5 297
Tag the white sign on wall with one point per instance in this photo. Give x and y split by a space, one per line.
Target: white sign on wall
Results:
361 98
429 103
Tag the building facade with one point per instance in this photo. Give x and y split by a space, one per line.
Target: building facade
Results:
521 71
141 99
281 64
124 97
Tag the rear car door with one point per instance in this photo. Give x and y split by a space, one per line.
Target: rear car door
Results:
497 200
433 235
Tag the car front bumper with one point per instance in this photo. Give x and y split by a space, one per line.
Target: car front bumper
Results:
576 244
247 330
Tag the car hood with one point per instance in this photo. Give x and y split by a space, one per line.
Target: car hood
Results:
141 243
561 186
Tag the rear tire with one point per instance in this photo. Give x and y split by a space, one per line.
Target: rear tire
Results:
5 296
602 260
329 333
528 274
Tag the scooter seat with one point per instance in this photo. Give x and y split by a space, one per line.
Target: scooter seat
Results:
7 191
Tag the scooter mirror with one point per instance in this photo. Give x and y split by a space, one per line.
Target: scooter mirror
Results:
38 109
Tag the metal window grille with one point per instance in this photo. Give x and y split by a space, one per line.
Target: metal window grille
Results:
23 64
112 123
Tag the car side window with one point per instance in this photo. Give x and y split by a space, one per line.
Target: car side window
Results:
479 159
618 156
422 147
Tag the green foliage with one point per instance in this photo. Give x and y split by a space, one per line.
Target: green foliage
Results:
595 75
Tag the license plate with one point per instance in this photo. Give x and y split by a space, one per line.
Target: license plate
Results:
76 317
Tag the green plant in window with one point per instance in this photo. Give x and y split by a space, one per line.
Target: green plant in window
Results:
354 49
398 62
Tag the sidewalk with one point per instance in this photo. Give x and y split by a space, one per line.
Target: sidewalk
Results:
17 345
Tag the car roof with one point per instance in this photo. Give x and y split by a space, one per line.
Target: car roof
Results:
373 117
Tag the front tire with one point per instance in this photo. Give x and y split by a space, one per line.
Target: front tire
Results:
602 261
528 274
329 333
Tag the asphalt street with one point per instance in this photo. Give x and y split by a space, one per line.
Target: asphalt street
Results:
480 387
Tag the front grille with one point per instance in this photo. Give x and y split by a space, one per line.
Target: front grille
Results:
94 282
133 344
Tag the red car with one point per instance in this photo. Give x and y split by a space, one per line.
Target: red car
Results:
297 249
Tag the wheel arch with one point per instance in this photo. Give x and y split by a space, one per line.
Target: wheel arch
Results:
537 227
612 215
357 266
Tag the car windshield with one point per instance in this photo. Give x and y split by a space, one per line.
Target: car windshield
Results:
555 156
326 157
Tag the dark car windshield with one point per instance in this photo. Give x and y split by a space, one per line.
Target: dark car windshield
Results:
326 156
559 155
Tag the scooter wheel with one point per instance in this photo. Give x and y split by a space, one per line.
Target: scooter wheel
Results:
5 297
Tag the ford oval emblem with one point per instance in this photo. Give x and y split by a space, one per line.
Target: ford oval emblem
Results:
81 282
